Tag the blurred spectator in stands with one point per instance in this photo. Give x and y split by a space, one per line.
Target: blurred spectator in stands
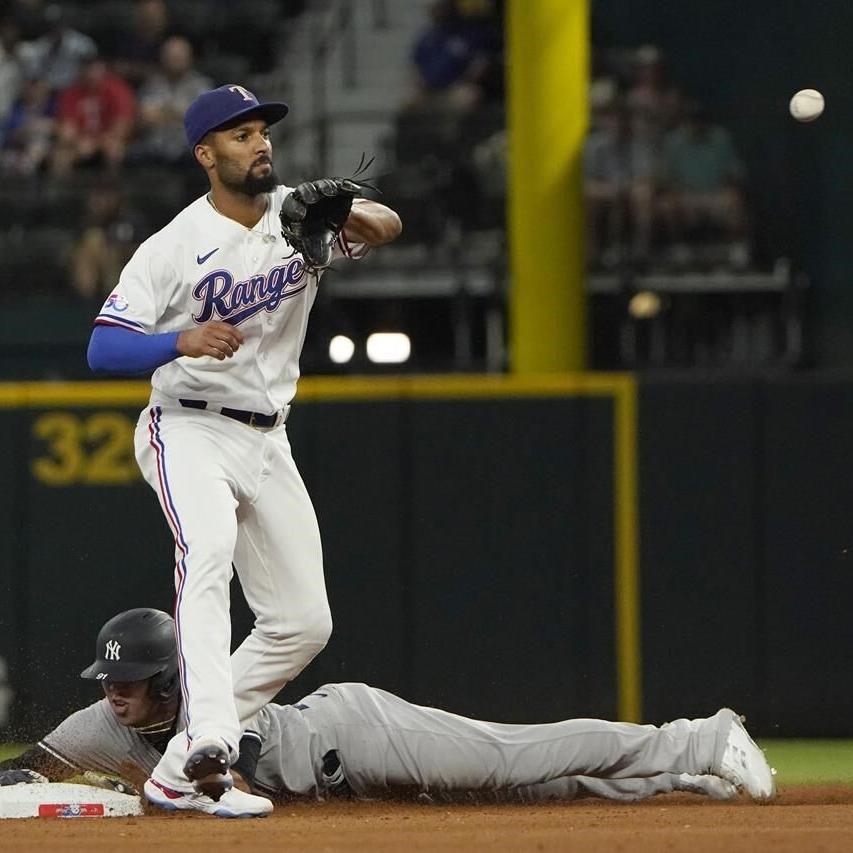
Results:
27 133
619 171
653 101
10 73
163 101
137 50
702 178
110 235
95 118
56 56
457 64
457 59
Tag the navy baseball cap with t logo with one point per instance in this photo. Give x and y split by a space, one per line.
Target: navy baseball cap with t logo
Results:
220 106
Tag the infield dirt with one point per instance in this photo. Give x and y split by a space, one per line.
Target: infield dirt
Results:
802 819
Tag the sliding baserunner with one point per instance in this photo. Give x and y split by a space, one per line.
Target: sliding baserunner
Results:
359 741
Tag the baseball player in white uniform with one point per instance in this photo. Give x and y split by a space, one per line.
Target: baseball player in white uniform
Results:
358 741
216 304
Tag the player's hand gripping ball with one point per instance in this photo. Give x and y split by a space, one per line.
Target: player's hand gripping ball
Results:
806 105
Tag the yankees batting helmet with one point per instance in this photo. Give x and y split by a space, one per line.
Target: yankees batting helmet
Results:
135 645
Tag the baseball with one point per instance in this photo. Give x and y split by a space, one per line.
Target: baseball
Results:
806 105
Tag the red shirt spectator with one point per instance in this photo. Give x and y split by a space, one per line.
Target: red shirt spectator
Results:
96 106
95 119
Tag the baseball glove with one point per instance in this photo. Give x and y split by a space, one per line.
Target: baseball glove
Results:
18 777
314 213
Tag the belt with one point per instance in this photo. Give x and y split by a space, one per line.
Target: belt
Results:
252 419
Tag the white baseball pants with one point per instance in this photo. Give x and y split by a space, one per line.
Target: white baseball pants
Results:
232 494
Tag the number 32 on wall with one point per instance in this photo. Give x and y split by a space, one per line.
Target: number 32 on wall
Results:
95 450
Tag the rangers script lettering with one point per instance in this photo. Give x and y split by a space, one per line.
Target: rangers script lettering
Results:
221 297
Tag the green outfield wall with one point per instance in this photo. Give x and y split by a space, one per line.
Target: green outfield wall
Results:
522 549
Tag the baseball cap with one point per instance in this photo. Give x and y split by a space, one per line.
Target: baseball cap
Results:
218 106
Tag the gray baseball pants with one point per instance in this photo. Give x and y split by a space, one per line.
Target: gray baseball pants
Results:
384 742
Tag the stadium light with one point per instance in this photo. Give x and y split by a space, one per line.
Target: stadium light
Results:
341 349
388 347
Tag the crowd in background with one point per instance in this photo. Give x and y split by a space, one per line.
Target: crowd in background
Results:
93 156
449 140
92 97
115 93
97 91
663 182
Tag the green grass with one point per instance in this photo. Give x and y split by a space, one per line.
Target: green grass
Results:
10 750
798 762
810 762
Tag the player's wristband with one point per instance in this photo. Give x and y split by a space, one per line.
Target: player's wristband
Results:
116 350
250 752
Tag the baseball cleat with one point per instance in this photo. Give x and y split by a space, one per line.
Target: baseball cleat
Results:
709 786
233 803
207 767
742 763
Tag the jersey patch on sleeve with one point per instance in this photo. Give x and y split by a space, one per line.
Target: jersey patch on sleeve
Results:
112 314
116 302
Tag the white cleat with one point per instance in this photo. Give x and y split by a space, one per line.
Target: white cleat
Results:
233 803
743 763
709 786
207 767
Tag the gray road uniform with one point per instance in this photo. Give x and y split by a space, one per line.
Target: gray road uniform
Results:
369 743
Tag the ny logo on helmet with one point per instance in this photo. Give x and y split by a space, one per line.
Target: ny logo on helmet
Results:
113 649
247 95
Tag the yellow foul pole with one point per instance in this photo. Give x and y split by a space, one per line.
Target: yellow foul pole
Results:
547 76
547 67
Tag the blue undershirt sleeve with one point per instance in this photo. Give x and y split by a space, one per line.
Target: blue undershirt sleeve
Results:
116 350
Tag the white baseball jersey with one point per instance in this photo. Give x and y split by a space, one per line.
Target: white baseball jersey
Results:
204 266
